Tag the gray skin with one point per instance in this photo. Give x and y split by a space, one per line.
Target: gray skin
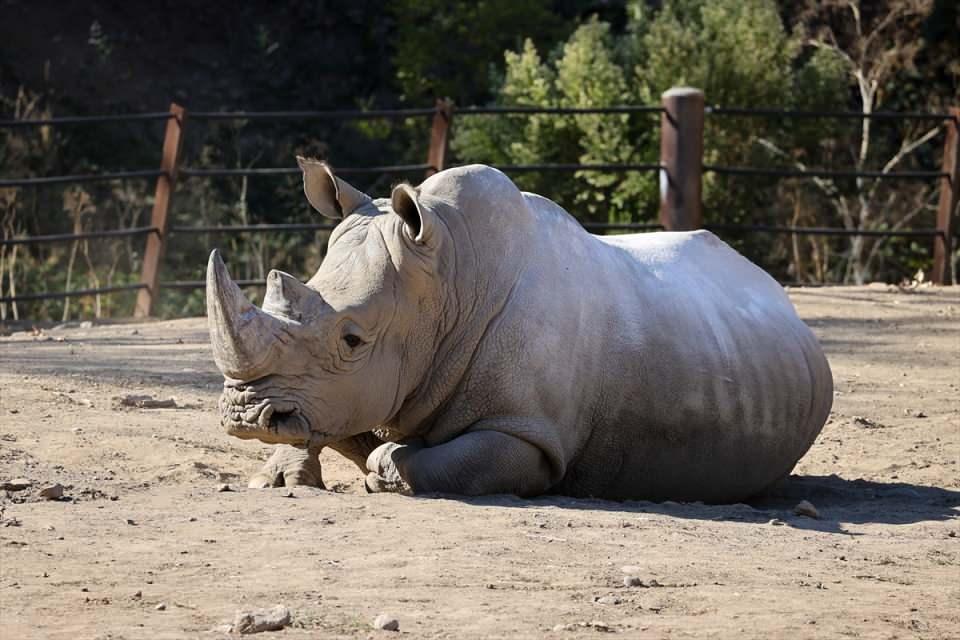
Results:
468 338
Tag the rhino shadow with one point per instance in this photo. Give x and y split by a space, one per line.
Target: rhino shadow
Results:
839 501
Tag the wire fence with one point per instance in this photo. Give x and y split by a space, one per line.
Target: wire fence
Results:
442 116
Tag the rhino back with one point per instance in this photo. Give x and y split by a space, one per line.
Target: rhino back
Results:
667 366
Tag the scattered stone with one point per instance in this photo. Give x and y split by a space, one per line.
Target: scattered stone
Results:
145 402
77 430
632 581
289 494
17 484
914 413
805 508
386 622
14 411
608 600
53 492
259 620
135 332
224 488
776 522
594 624
131 522
867 423
137 596
161 606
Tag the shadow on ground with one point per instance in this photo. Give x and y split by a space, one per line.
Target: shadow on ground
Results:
839 501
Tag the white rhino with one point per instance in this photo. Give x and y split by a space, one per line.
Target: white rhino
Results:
466 337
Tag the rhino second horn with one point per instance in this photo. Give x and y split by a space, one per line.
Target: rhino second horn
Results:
290 298
245 340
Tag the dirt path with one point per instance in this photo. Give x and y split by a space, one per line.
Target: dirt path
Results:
143 522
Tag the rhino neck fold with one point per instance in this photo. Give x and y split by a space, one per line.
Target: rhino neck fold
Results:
474 297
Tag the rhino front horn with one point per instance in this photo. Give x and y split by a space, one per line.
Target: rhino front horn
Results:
245 339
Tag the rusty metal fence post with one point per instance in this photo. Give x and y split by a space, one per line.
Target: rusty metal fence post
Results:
147 297
681 159
440 136
949 197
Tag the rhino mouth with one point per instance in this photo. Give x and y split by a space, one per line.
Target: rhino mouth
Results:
272 421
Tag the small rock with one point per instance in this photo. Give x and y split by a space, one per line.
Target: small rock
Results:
161 607
805 508
632 581
137 596
223 628
131 522
610 600
17 484
386 622
77 430
53 492
776 522
224 488
258 620
289 494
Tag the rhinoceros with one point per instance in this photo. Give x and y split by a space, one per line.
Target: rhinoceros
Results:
465 337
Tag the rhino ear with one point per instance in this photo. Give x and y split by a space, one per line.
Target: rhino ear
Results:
328 194
417 222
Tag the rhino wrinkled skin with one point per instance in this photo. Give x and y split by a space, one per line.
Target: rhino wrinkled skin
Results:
465 337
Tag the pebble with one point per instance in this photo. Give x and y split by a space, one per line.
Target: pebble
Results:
776 522
607 600
161 607
53 492
805 508
632 581
17 484
386 622
224 487
258 620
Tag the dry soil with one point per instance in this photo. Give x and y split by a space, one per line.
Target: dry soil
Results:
142 521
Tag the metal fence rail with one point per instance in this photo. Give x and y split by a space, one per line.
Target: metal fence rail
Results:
824 173
105 119
680 167
851 115
95 177
89 235
76 293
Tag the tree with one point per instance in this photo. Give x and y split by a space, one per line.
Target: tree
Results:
874 42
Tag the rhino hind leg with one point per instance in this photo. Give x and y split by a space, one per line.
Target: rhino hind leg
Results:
289 466
476 463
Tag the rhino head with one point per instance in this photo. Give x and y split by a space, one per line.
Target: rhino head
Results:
336 356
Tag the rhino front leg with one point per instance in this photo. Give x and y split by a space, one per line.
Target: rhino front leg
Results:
476 463
289 466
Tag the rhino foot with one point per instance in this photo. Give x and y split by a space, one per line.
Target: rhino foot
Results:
288 467
383 476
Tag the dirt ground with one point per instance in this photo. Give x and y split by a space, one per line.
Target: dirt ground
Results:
142 521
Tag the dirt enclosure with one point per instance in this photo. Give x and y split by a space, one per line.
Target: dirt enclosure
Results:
142 522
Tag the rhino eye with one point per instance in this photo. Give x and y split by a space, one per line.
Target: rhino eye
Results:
352 341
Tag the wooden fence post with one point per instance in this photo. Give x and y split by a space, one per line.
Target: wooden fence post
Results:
681 157
440 136
150 276
949 197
